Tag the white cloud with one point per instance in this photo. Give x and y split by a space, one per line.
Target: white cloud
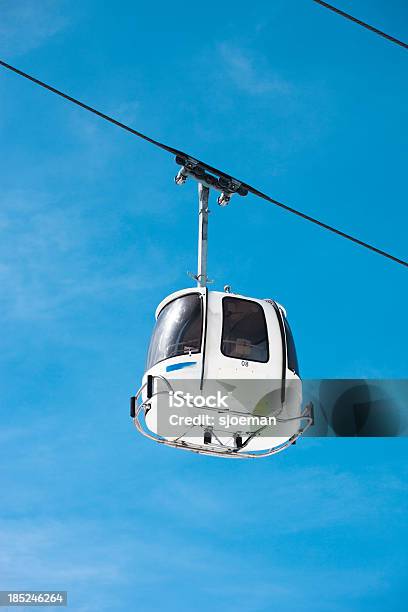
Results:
249 73
126 112
25 24
52 257
95 559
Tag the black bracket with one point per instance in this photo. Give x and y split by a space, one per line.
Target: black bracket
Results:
226 184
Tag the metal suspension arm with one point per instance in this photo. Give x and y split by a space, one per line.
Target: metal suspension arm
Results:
203 195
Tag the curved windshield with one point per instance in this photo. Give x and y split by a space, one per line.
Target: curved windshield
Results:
177 330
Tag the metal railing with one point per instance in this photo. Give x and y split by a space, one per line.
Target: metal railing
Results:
141 409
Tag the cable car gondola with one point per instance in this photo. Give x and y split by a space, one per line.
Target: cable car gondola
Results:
218 344
282 401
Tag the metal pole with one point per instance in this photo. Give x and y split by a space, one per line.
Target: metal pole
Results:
203 195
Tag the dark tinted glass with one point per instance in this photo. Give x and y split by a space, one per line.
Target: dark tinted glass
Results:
244 333
292 356
177 330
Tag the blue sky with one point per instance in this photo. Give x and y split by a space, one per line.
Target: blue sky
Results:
309 108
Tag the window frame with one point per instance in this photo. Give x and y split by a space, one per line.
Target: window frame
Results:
229 297
200 295
290 340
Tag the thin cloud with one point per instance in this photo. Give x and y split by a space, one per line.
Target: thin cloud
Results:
90 558
26 25
250 74
48 261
